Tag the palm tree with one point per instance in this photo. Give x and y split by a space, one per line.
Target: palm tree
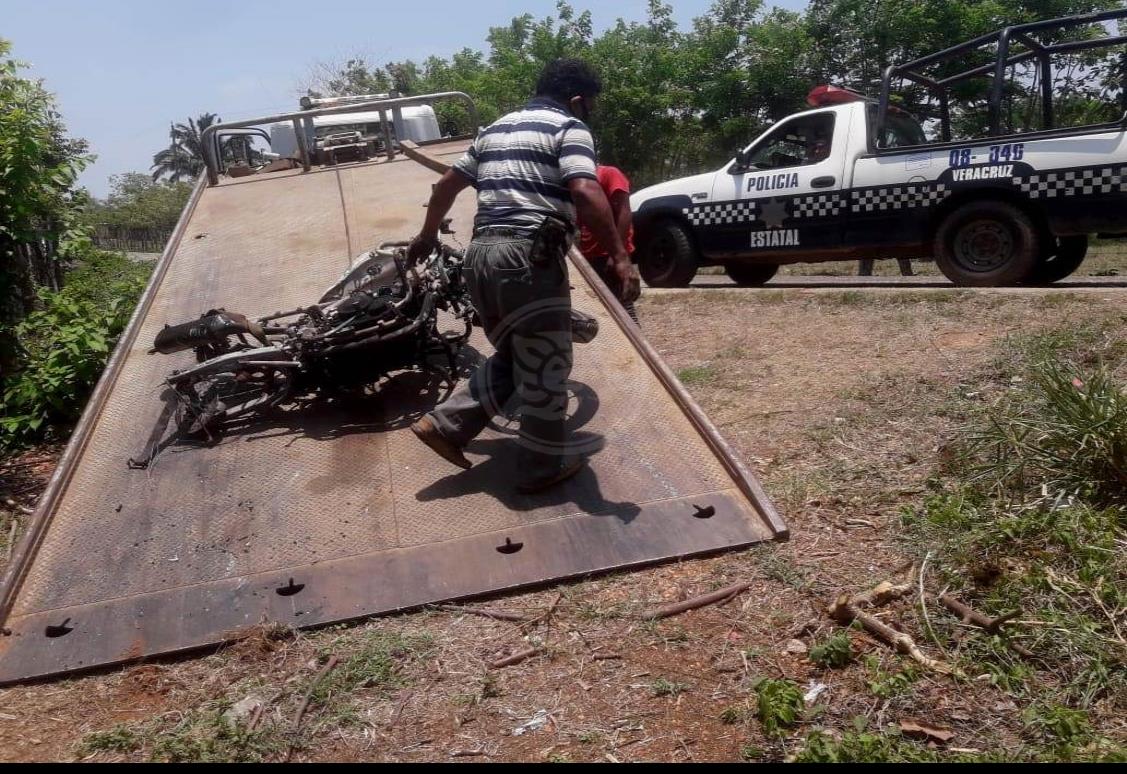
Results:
184 157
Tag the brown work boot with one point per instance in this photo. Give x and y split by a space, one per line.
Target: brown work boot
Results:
430 435
568 468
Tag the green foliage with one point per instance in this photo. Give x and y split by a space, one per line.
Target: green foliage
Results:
664 687
678 101
697 374
120 739
1067 431
209 736
64 345
38 206
137 201
835 651
779 705
887 685
183 158
373 664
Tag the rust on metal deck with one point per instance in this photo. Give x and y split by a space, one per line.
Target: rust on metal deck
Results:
336 511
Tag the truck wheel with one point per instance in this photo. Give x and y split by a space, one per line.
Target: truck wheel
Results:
748 275
1066 258
984 244
668 259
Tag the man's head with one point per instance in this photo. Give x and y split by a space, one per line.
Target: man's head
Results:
571 82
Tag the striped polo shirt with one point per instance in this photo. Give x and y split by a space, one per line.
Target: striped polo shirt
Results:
520 165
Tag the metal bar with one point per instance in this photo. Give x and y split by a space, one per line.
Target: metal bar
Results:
986 68
882 108
45 509
1081 45
923 80
1033 44
1079 20
744 479
302 144
945 116
358 107
389 147
999 82
1046 91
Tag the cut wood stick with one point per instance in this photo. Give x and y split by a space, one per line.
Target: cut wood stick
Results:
969 615
516 658
607 657
881 594
330 665
497 615
676 608
845 613
16 506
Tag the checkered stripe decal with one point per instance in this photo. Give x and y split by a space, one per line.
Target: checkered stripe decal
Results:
721 214
898 197
1073 182
818 206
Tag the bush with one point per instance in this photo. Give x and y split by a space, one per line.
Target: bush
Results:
1067 432
64 345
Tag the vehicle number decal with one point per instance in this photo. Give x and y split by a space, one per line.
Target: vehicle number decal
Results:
1011 152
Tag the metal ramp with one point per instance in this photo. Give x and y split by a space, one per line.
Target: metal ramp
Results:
338 512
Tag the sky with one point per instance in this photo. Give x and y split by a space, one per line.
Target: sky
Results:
122 70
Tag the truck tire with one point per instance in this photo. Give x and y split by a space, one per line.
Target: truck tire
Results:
987 243
748 275
668 258
1066 257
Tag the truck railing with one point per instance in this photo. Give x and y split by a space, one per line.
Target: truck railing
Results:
302 119
1019 33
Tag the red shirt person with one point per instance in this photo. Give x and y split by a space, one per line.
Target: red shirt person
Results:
616 186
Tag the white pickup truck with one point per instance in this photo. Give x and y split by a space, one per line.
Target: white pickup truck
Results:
858 178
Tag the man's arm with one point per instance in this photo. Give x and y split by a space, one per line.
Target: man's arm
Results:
442 198
595 211
623 217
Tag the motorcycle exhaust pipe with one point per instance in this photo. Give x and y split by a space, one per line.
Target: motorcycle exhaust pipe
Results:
211 329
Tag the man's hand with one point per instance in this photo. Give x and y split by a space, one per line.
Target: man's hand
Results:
629 283
420 247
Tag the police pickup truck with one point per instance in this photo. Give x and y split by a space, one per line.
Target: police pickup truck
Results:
858 178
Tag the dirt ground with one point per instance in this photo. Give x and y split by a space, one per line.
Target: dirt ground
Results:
841 401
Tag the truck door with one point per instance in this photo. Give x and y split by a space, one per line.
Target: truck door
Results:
787 189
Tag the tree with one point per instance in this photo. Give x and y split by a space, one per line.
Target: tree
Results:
184 158
137 201
38 203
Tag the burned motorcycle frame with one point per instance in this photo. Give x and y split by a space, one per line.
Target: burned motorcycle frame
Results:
381 317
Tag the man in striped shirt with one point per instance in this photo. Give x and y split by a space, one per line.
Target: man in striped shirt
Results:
534 172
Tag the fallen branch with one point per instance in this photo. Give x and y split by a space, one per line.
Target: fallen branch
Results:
846 609
467 753
17 507
547 614
516 658
718 596
330 665
969 615
496 615
607 657
846 614
12 538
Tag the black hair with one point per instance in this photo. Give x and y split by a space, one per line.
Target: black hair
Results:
564 79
